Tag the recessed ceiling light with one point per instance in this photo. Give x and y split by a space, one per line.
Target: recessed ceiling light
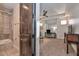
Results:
25 7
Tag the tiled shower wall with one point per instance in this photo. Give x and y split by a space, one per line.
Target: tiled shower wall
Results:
16 32
9 28
5 24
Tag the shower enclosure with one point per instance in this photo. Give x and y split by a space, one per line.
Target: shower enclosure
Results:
5 30
18 29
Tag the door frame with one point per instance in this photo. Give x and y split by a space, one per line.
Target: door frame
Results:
37 29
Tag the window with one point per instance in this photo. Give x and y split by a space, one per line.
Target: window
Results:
70 22
63 22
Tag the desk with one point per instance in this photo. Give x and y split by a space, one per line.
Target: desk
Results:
72 38
50 35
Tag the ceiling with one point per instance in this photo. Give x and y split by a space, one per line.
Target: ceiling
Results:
52 8
73 9
8 5
58 8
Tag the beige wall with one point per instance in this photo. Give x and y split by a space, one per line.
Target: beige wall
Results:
16 23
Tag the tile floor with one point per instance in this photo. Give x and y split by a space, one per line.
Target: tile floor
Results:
7 49
54 47
48 47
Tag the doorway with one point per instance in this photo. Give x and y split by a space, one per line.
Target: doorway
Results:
53 25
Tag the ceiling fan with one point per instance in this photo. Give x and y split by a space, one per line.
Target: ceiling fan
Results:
44 15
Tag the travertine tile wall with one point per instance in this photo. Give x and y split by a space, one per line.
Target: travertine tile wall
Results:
1 23
16 32
5 29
